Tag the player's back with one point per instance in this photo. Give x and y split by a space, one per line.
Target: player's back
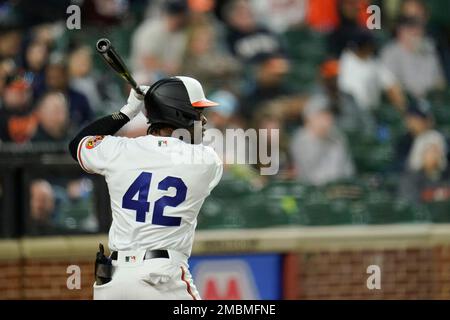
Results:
157 186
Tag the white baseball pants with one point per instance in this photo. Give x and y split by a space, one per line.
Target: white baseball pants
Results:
153 279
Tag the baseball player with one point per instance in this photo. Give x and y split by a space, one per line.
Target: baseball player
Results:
155 198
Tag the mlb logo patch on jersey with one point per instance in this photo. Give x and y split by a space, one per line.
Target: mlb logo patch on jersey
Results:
162 143
92 142
130 259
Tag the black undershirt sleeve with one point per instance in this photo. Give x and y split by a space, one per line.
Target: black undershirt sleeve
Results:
105 126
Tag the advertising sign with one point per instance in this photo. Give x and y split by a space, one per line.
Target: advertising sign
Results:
239 277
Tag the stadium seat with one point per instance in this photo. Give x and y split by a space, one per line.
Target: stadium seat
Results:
303 74
386 210
372 157
280 189
439 211
387 113
261 214
441 114
338 212
305 44
229 188
349 189
220 214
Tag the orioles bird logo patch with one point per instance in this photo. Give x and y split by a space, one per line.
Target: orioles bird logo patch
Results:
93 142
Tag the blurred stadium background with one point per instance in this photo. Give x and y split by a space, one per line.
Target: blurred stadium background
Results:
364 119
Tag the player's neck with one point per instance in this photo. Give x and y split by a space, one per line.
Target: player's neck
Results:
162 132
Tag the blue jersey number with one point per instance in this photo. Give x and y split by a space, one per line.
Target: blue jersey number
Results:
141 186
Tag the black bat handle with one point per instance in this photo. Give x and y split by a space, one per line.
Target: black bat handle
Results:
136 87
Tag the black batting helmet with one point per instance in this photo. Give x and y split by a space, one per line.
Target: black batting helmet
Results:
174 100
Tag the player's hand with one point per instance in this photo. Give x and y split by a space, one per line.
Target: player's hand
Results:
144 89
135 103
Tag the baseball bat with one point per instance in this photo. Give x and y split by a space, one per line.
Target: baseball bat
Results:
112 58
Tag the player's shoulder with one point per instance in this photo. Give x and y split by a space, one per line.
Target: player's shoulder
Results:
104 142
194 154
207 153
212 153
130 140
108 139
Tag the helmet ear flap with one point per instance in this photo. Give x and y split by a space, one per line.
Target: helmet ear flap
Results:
148 95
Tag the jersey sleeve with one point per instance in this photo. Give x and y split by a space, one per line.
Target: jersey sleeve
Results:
95 153
216 171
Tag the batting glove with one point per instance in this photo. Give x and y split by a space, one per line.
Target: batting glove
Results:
135 103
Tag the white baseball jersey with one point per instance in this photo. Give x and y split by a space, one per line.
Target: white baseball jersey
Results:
157 186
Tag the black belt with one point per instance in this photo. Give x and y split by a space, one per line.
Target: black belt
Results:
149 254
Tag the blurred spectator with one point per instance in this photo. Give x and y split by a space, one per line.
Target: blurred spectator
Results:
31 13
270 119
7 68
201 6
60 206
42 207
158 45
352 16
428 171
82 78
53 117
417 159
414 9
412 53
17 121
364 77
332 14
10 42
204 61
418 120
319 150
76 210
104 12
349 117
47 33
270 74
57 79
280 15
10 45
35 61
246 39
222 116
